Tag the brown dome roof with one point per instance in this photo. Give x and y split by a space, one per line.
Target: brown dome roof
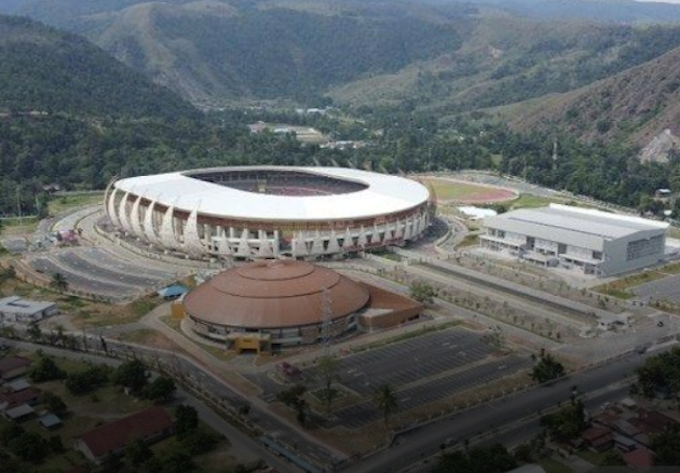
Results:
272 294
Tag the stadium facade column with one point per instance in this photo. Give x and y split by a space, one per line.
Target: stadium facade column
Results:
192 240
276 243
243 249
317 244
135 222
149 231
123 215
333 245
111 209
347 243
167 234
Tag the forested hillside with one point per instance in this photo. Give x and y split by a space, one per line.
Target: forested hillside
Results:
633 106
508 60
216 52
47 70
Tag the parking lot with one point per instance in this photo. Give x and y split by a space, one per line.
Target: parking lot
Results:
402 363
93 270
667 288
430 390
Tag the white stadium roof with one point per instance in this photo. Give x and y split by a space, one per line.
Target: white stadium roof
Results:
384 195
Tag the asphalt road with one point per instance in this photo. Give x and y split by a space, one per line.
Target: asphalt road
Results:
523 431
425 441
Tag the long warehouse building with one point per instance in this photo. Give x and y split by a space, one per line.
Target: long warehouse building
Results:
589 240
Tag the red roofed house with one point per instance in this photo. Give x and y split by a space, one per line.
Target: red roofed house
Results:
150 425
639 458
28 396
598 439
13 367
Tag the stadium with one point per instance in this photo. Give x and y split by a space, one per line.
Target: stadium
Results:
269 211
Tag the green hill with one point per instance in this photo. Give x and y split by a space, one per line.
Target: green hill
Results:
634 106
217 52
48 70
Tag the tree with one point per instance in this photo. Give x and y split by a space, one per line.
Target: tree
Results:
667 447
138 452
29 446
59 282
495 338
186 420
293 398
160 390
54 403
86 381
492 459
660 373
199 441
567 423
423 292
132 375
612 458
45 369
548 368
385 400
327 367
34 333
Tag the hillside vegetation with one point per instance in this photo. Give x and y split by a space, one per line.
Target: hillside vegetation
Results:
47 70
634 105
220 52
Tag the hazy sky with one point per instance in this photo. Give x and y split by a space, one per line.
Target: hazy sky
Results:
661 1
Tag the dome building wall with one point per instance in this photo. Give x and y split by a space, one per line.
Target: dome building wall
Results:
280 301
182 212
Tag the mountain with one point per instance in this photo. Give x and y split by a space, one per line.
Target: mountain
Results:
637 105
606 11
48 70
505 60
218 52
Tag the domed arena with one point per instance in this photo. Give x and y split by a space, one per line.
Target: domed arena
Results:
273 304
261 212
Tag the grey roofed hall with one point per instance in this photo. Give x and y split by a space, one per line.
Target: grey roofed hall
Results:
580 227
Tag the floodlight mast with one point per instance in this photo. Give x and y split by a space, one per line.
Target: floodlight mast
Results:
326 322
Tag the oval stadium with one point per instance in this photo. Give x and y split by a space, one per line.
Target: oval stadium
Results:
269 211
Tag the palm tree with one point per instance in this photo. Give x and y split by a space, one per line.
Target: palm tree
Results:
385 400
59 282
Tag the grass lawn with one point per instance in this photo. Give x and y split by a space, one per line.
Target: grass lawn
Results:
531 201
450 190
596 458
16 226
66 202
94 314
469 240
553 466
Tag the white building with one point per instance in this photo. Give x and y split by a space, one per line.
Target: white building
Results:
263 212
14 309
593 241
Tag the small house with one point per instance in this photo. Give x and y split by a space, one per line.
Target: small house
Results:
13 367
